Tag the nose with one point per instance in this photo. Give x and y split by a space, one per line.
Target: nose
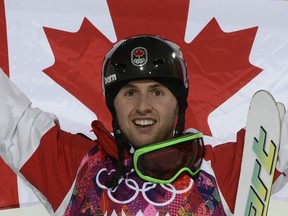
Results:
143 104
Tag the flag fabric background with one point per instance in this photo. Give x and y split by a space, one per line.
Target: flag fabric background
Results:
243 45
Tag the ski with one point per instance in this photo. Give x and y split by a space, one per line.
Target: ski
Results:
260 154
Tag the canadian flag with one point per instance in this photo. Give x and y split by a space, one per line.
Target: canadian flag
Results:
53 51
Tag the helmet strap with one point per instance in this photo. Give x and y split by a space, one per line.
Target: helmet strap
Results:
120 143
180 125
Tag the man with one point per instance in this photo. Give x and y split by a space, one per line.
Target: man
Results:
146 87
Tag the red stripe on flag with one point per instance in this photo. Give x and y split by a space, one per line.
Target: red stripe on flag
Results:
3 40
8 179
8 187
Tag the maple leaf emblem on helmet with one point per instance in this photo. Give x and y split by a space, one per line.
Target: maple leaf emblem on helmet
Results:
138 52
139 56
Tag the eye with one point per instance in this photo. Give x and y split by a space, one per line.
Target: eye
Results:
130 93
158 92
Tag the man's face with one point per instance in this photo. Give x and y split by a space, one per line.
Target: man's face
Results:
146 112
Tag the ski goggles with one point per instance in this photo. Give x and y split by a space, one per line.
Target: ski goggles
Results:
163 162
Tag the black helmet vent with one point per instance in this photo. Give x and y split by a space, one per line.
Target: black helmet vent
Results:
158 61
120 65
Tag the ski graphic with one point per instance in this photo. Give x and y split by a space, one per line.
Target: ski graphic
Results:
260 154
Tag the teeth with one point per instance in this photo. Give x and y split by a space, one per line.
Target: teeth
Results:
144 122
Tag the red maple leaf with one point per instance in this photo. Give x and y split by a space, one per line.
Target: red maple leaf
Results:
219 66
77 67
218 62
139 53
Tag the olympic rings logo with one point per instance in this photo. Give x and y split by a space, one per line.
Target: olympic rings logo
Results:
146 187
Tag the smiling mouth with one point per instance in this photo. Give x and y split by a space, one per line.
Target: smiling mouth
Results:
144 122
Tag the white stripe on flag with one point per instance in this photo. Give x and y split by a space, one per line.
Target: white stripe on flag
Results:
26 195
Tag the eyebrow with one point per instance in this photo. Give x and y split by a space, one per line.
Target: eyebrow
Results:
155 85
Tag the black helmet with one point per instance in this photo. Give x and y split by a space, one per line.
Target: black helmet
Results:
145 57
137 58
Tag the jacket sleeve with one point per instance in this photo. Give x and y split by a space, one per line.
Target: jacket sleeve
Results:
37 150
226 160
281 175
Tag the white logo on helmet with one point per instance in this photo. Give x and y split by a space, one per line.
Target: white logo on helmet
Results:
139 56
110 79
